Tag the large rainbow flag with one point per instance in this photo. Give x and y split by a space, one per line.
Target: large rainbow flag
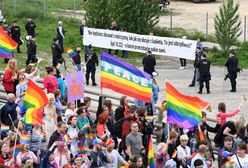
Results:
7 44
185 111
151 161
34 102
125 78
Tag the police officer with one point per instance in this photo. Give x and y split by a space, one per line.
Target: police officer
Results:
6 28
91 63
30 27
198 55
31 51
16 35
56 52
204 71
149 63
232 68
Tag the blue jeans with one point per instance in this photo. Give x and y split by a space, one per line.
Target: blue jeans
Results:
78 67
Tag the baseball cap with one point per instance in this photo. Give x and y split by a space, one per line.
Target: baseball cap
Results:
109 141
97 141
225 154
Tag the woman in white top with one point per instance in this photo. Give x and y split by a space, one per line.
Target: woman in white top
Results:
73 133
70 110
50 118
241 158
31 73
183 152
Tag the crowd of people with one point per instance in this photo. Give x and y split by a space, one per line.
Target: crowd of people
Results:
71 136
116 137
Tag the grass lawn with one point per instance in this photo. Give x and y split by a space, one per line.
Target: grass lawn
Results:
46 29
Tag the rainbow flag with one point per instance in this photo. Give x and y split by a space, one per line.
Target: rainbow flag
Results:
82 149
16 148
88 136
151 161
58 67
149 118
66 138
125 78
185 111
34 102
7 45
25 139
230 164
4 127
70 52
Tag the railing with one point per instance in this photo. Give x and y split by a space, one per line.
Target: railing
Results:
93 93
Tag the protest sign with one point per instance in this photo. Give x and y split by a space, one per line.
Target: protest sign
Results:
75 86
175 47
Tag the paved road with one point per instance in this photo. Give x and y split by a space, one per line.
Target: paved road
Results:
168 70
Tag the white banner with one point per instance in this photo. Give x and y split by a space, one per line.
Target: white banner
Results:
165 46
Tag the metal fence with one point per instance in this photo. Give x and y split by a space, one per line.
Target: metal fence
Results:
44 7
201 22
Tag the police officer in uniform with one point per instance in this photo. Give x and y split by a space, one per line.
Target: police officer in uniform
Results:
232 68
149 63
31 51
204 71
16 35
6 28
56 52
198 55
30 27
91 63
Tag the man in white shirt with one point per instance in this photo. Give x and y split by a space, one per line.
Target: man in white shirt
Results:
117 160
202 152
241 158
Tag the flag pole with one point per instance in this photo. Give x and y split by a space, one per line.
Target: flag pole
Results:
168 125
16 141
11 121
1 123
100 73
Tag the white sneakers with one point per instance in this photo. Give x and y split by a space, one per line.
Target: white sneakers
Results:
182 68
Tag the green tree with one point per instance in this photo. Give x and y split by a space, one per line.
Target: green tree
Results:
227 25
98 14
137 16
